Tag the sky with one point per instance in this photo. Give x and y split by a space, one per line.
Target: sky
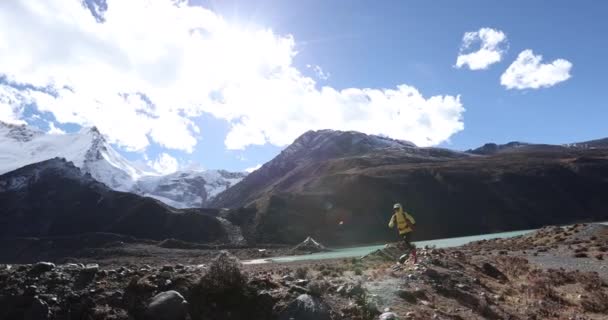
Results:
228 84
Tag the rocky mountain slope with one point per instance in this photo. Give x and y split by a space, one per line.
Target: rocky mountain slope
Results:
89 150
294 163
338 187
55 198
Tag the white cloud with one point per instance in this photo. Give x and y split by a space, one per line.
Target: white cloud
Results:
491 48
152 67
11 105
401 113
254 168
54 130
527 72
319 72
164 164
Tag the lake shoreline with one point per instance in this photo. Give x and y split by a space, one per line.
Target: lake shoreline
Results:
496 278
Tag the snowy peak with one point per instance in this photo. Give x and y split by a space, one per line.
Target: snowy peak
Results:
87 149
21 145
188 189
98 144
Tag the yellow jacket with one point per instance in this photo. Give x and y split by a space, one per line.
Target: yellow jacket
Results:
404 221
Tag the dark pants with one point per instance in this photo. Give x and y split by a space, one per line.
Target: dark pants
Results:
407 240
409 247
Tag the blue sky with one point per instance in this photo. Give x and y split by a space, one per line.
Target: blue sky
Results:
377 45
416 42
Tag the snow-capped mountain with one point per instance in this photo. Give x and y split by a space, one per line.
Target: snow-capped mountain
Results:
188 188
87 149
21 145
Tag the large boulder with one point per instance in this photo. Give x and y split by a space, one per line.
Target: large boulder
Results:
168 305
42 267
310 245
306 307
389 316
38 310
390 252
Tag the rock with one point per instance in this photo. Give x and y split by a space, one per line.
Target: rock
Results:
91 268
356 290
310 245
42 267
372 304
301 282
389 316
407 296
462 286
305 307
492 271
38 310
433 274
168 305
298 289
288 278
31 290
427 303
341 290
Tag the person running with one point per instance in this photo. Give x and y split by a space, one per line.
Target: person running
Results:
405 224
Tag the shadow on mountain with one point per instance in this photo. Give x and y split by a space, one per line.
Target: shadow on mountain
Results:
338 187
55 199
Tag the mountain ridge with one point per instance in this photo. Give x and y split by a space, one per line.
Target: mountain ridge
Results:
319 146
341 192
56 198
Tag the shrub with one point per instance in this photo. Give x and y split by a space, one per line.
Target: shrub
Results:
224 293
302 273
224 274
318 288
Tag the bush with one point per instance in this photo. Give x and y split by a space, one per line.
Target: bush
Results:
358 271
302 273
224 274
224 293
368 308
318 288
